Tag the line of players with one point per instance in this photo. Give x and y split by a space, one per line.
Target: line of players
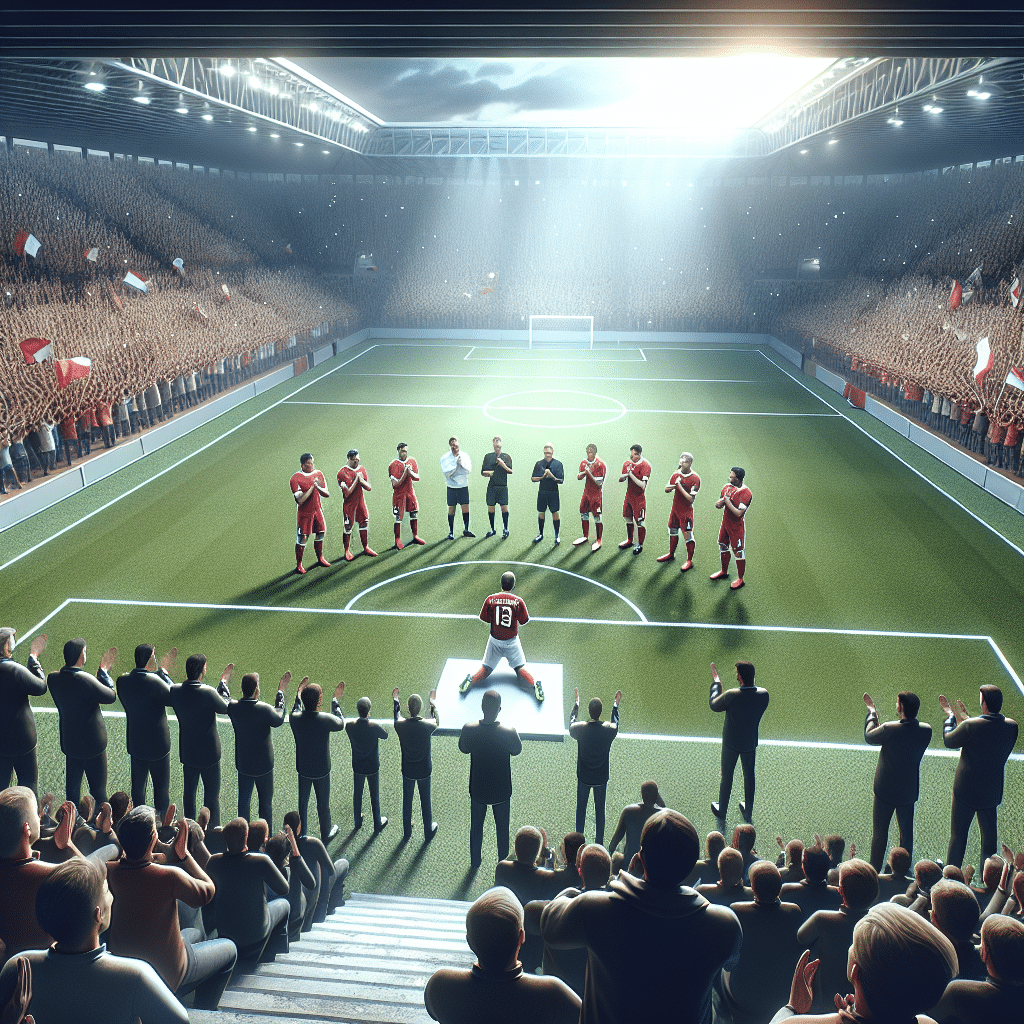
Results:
309 486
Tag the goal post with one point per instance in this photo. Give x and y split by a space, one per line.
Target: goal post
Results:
561 332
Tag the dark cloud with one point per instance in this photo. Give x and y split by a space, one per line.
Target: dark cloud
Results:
427 90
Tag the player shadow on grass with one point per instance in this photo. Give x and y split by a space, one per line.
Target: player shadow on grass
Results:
731 610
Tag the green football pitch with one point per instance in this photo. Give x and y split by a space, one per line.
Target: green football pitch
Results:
871 567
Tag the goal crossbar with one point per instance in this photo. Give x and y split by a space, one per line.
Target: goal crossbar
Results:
561 332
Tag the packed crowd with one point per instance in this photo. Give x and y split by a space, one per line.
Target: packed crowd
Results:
883 939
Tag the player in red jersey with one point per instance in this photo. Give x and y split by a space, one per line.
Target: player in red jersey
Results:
683 486
505 612
636 471
735 500
308 486
353 480
593 471
403 471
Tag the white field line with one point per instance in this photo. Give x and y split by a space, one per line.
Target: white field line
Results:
570 408
642 356
561 378
181 461
886 448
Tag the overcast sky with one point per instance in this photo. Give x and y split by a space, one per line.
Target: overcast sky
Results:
725 92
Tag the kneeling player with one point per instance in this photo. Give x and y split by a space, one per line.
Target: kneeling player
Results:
735 501
505 612
353 480
403 471
636 471
308 486
593 471
683 486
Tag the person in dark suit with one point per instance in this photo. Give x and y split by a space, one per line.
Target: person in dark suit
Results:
83 733
414 735
594 743
985 743
898 775
312 730
743 707
145 694
365 737
17 724
197 706
252 719
491 747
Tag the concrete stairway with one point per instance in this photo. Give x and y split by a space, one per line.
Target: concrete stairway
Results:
369 961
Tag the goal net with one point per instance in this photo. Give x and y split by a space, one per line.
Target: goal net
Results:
561 332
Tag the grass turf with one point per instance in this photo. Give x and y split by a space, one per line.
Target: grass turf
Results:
842 537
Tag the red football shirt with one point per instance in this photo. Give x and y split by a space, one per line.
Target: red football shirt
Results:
738 496
590 489
396 469
302 482
505 612
345 477
641 469
681 504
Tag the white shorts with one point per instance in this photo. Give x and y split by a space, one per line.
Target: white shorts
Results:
511 650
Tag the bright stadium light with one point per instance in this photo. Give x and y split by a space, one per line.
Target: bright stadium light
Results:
95 86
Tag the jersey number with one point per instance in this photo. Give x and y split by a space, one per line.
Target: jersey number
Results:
504 617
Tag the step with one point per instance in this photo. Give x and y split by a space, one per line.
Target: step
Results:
329 986
373 925
294 1005
354 969
410 901
391 912
333 957
316 940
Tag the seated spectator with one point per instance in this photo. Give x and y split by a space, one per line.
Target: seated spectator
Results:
1000 997
835 847
528 881
790 860
828 933
330 875
898 878
284 852
641 932
729 888
705 871
632 821
955 913
759 982
259 833
594 866
990 874
743 839
73 905
568 876
241 909
918 897
899 966
144 921
814 892
496 989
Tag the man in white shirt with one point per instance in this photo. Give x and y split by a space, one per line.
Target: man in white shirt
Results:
456 466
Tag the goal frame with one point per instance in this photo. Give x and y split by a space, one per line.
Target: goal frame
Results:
553 316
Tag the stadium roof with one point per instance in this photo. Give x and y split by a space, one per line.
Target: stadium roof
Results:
912 89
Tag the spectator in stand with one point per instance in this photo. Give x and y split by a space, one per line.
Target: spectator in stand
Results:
284 852
329 874
898 966
729 888
790 860
73 906
898 878
828 933
759 982
196 707
144 921
955 913
252 720
646 928
632 821
243 913
1000 997
814 892
528 881
497 988
705 871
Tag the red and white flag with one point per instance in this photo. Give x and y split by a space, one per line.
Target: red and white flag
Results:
955 295
288 248
36 350
1015 377
68 370
984 360
26 242
136 281
92 255
227 294
200 312
179 266
1015 292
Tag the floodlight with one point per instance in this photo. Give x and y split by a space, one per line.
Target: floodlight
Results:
252 128
226 70
95 86
181 110
144 100
207 117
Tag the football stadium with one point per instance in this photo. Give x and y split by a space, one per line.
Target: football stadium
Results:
411 249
